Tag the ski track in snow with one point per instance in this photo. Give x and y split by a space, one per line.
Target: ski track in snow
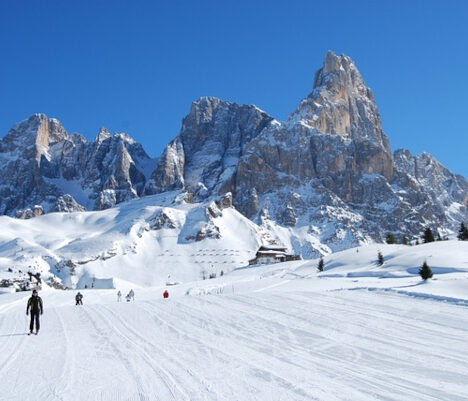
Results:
272 344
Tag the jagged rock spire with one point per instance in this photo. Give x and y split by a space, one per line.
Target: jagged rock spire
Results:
102 135
341 103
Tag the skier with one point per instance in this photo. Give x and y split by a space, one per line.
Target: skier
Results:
128 297
36 307
79 299
131 294
119 296
166 294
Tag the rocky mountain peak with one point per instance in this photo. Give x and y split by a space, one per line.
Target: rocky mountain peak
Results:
333 62
41 164
338 69
33 136
201 111
205 154
341 104
38 128
102 135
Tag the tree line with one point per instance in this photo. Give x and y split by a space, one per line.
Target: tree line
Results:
428 236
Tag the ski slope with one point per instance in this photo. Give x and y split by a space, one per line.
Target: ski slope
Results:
282 332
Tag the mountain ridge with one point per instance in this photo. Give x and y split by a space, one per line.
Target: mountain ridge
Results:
323 180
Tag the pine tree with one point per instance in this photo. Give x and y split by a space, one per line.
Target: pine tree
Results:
404 240
320 265
390 239
428 235
425 271
463 232
380 259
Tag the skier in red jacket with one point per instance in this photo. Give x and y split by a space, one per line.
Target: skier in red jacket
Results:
166 294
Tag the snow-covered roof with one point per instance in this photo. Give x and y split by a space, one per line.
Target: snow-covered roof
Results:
260 253
272 247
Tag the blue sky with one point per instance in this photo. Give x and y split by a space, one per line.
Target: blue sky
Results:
136 66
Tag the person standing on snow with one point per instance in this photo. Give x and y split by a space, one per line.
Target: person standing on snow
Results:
36 307
131 294
79 298
119 296
166 294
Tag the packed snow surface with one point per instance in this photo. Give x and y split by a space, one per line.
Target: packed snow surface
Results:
356 331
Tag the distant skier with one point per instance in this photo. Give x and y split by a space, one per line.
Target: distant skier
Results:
131 294
128 297
79 298
36 307
119 296
166 294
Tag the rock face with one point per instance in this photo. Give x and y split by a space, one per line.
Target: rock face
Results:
66 204
204 157
41 164
28 213
325 179
432 187
341 104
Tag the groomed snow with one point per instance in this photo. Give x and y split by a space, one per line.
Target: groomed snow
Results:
357 331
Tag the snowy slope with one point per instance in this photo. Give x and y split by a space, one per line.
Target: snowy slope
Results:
282 332
143 242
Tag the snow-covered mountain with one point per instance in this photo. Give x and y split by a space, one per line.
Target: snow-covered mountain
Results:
42 165
323 180
148 241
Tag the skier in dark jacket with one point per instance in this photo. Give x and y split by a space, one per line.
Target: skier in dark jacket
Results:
35 305
79 299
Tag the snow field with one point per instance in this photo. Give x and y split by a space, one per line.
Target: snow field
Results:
279 332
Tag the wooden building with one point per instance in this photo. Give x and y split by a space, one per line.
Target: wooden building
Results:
268 254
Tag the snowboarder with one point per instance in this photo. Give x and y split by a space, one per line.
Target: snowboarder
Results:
166 294
79 299
119 296
131 294
36 307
